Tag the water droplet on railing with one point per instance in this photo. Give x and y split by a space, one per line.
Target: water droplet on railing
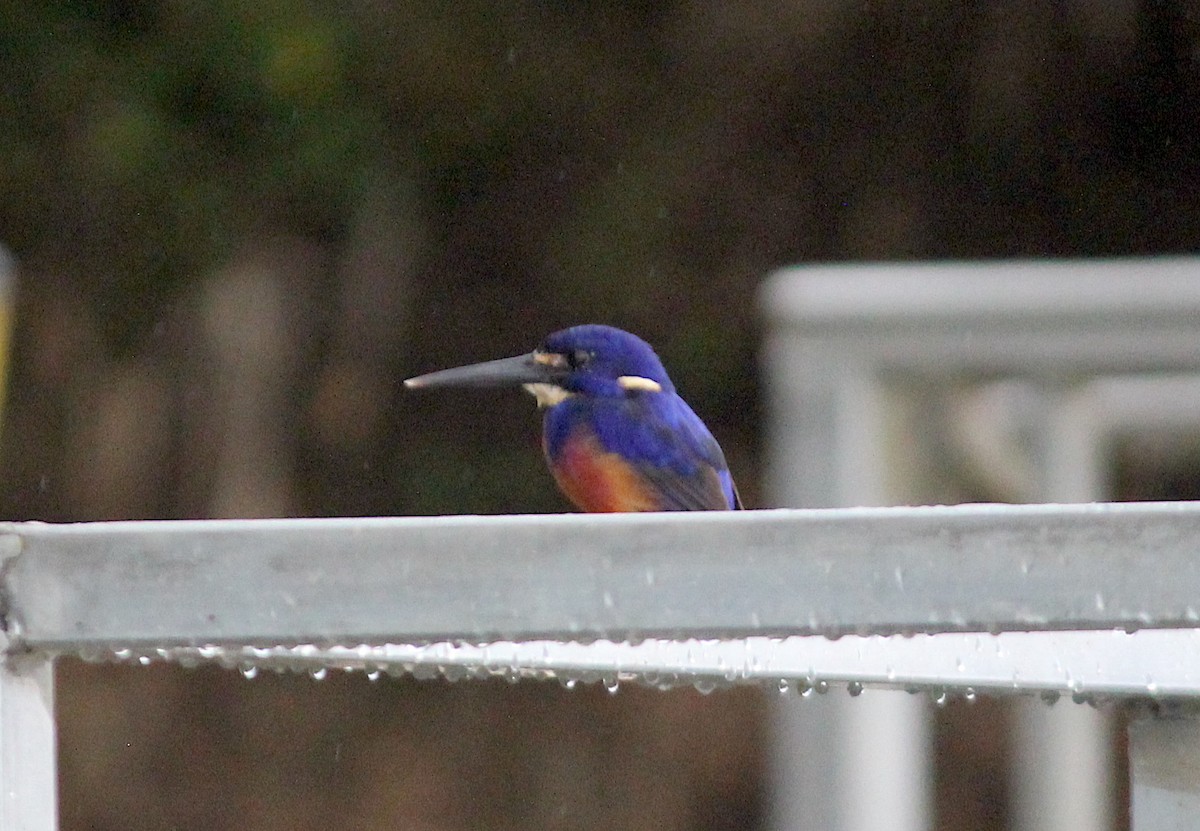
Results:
452 672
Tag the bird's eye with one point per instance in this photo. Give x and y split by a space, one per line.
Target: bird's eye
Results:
579 358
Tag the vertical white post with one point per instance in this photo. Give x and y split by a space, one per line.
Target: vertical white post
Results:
829 752
1062 765
889 750
28 772
1164 768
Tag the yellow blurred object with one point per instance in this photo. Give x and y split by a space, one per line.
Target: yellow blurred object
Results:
8 275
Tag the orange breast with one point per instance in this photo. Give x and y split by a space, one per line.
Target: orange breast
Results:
598 481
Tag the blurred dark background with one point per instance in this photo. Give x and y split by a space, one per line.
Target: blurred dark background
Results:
239 225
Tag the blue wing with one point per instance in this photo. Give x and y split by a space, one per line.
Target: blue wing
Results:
661 439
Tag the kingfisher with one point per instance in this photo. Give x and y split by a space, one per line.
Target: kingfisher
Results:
615 434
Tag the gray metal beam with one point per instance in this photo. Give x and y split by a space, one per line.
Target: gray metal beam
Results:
868 571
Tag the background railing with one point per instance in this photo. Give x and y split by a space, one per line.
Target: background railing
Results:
925 383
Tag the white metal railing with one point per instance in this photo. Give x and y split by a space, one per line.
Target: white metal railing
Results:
952 601
975 568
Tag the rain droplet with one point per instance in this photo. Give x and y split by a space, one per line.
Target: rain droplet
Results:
249 671
855 688
612 684
940 698
785 686
319 673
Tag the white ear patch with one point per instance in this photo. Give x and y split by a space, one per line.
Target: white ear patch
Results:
637 382
547 395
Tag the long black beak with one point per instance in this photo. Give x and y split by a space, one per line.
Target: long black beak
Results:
504 372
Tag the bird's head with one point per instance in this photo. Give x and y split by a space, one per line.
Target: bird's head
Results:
590 360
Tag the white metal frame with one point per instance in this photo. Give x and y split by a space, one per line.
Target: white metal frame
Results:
1109 346
660 599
